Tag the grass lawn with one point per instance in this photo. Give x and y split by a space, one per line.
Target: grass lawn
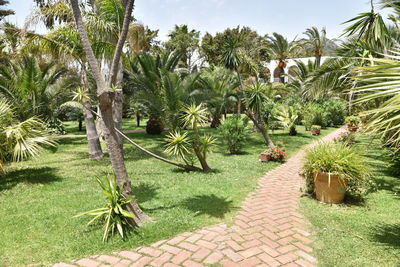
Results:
39 197
366 234
71 127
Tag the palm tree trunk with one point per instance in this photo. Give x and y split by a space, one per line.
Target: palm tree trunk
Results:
202 160
95 151
105 101
239 93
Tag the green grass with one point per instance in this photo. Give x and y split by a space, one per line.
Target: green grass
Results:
361 234
72 128
39 197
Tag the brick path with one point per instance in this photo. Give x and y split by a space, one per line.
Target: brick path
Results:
269 231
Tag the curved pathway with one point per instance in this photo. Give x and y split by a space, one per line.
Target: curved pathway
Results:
269 231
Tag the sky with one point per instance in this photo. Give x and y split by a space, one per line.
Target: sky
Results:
287 17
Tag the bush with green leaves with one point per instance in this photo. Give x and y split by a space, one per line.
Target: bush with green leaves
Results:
234 132
353 120
287 116
191 146
314 114
340 159
115 216
335 111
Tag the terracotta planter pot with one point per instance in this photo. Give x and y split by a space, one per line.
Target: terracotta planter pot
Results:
332 191
315 131
265 157
352 128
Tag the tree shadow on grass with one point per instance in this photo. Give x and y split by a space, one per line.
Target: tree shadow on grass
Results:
41 175
387 234
211 205
144 192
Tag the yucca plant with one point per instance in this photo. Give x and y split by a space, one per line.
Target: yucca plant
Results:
178 144
115 215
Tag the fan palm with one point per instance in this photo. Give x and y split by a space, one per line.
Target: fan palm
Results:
20 139
317 42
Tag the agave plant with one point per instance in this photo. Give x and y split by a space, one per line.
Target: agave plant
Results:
115 215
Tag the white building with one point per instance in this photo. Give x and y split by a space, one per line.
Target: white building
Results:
277 73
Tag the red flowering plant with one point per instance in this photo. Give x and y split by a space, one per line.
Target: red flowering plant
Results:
275 153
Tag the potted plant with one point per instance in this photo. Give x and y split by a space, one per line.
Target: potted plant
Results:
273 153
316 130
352 123
333 169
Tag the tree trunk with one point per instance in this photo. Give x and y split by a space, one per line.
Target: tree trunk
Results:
202 160
138 119
117 113
94 146
261 128
105 102
95 151
239 93
80 125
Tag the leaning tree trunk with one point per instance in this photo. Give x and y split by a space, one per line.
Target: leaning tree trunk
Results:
202 160
260 126
105 102
95 151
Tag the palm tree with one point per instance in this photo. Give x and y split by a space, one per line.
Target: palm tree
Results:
105 95
256 96
20 139
316 42
140 38
218 92
378 89
279 48
232 58
35 89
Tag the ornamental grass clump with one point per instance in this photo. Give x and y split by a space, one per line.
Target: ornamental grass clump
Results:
340 159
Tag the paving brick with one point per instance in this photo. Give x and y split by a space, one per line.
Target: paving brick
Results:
142 262
129 255
213 258
150 251
201 254
188 246
171 249
250 262
88 263
108 259
159 261
190 263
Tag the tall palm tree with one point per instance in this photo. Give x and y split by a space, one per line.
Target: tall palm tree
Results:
317 42
140 38
279 48
232 58
105 95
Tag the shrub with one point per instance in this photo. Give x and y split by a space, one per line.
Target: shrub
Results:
337 158
115 215
315 127
234 132
352 120
346 138
335 112
314 115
